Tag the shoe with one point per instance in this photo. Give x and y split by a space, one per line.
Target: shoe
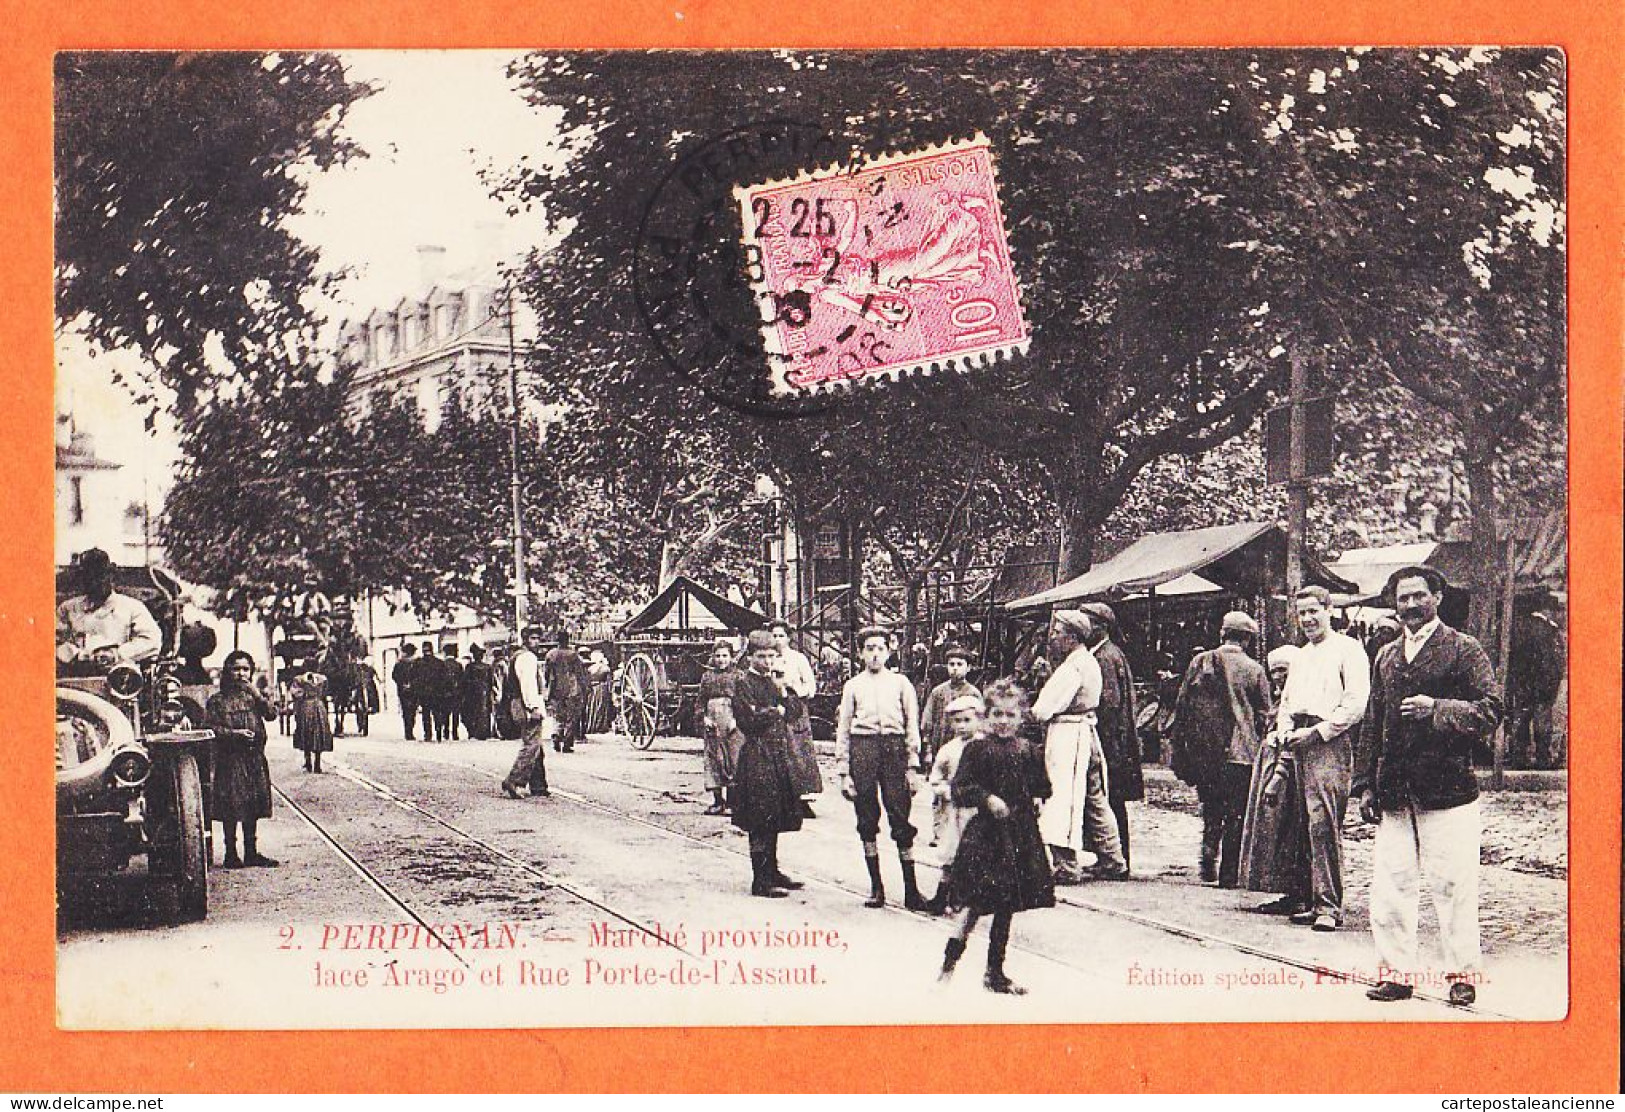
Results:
806 810
509 790
1305 917
950 957
1067 878
1125 873
232 861
782 881
542 794
1210 872
998 982
767 891
1386 992
260 861
1462 994
1324 924
716 809
1286 905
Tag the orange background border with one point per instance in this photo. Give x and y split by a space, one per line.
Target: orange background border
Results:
1579 1054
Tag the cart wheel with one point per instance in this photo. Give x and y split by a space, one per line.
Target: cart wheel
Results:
637 700
179 859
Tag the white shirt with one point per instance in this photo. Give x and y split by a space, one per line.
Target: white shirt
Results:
1330 679
528 670
120 622
1073 688
1415 641
878 703
798 672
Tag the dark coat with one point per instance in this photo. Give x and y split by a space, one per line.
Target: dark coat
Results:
1220 715
765 800
242 778
405 675
475 698
1428 762
1115 719
565 675
1001 864
434 681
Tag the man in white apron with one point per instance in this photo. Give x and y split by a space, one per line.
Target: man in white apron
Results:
1078 815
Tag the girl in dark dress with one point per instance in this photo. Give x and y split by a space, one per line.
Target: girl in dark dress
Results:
765 802
242 779
1001 866
311 732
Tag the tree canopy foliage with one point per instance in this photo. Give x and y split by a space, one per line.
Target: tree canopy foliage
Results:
175 176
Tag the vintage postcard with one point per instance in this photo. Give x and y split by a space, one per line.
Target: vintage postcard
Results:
564 538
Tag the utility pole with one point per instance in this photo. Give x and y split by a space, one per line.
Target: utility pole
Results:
521 588
1297 486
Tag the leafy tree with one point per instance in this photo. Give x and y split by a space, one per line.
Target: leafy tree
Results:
175 174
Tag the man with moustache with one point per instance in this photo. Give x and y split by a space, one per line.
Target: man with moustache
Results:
1434 701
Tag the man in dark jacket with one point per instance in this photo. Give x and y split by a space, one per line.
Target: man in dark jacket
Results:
405 676
431 688
452 696
566 679
1220 716
1115 720
475 698
1434 701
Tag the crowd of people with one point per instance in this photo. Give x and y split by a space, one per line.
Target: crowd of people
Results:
1024 780
1025 783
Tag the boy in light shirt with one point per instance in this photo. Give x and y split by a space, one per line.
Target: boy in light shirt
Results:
948 820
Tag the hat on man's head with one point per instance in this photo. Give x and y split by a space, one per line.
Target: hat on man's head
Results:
958 652
1432 576
1100 610
963 703
1238 621
1075 620
94 561
1282 656
758 640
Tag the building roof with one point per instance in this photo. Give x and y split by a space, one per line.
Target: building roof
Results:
1247 558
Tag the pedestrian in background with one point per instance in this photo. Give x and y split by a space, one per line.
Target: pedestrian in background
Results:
1116 720
474 697
312 733
801 682
948 818
431 690
1220 716
722 736
404 676
1000 868
451 707
934 725
566 680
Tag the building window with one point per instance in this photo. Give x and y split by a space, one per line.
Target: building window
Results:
77 511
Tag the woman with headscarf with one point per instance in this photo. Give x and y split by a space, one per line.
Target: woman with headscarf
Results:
312 733
1272 835
242 779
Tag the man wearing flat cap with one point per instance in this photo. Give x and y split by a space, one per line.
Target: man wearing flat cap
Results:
1434 702
934 718
1220 716
100 627
1115 720
1078 813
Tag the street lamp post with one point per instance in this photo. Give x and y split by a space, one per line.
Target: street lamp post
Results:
521 589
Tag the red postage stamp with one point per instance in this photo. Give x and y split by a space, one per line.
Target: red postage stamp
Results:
890 267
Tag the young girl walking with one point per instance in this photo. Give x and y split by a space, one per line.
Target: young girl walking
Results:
1001 867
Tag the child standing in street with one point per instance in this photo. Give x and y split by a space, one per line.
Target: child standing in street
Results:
948 820
1001 867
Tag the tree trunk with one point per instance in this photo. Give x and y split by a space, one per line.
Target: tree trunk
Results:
1486 549
1080 527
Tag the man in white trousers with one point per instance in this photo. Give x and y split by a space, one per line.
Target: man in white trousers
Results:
1434 701
1078 815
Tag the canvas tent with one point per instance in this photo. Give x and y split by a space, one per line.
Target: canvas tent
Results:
687 606
1247 559
1539 557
